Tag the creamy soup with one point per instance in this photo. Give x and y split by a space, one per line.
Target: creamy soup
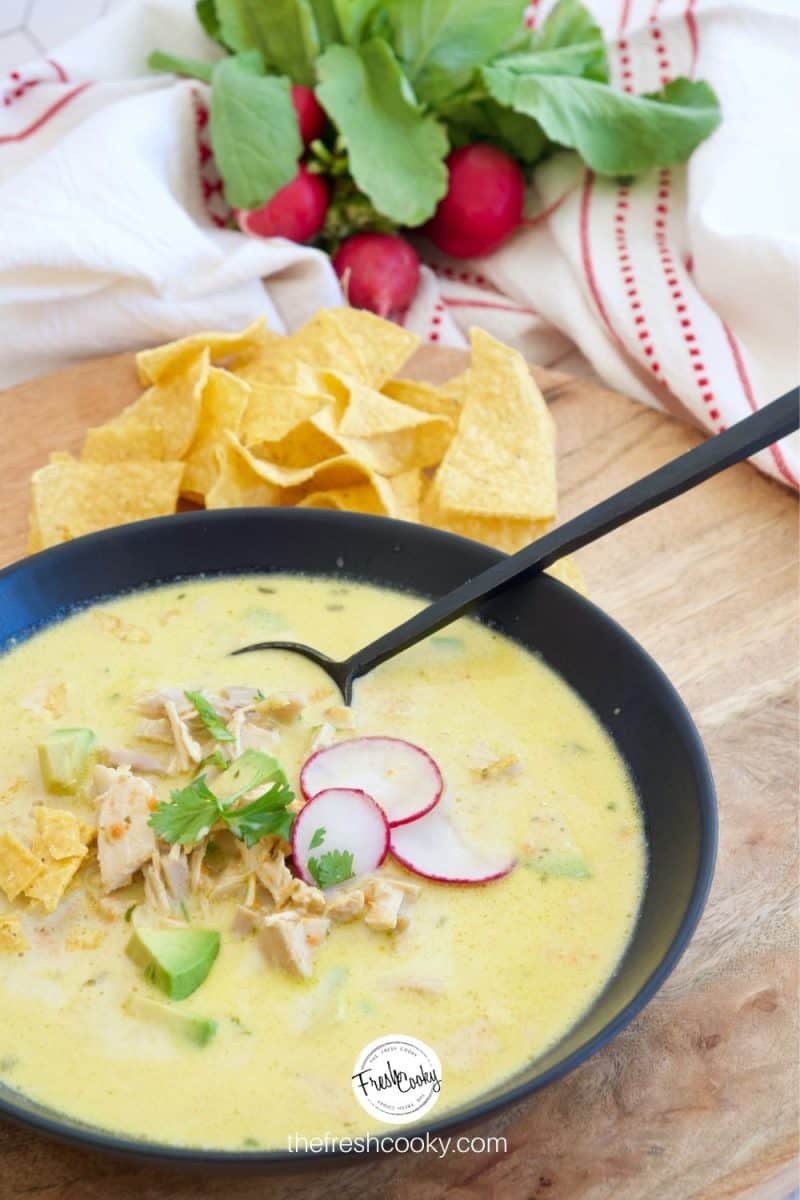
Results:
264 1046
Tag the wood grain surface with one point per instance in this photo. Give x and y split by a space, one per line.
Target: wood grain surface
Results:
698 1098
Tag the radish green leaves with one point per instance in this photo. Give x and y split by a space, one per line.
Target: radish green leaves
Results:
403 81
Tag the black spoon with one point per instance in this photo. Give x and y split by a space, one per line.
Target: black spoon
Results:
754 433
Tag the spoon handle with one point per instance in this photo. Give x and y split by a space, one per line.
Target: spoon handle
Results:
743 439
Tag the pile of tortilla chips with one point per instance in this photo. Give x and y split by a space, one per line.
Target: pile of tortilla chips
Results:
316 419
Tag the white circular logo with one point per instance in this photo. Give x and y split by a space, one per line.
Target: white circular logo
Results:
397 1079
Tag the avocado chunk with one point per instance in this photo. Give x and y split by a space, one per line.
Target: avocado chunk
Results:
175 960
64 759
189 1026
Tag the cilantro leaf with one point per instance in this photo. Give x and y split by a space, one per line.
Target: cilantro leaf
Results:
189 815
257 819
254 131
396 151
193 810
210 717
335 866
317 839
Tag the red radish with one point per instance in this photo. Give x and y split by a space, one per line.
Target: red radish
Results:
401 777
379 271
433 848
310 115
483 205
343 819
296 212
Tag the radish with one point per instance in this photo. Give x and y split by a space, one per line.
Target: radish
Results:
379 271
310 115
296 212
433 848
483 205
332 827
401 777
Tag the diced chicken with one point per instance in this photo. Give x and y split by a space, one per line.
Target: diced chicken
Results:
340 716
137 760
155 729
103 777
187 749
125 841
345 906
384 901
283 706
305 899
152 704
287 941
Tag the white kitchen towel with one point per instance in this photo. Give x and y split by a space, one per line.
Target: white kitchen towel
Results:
681 288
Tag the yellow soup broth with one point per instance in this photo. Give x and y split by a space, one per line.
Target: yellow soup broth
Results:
489 976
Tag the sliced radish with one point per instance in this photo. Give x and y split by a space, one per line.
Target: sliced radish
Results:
349 820
432 847
400 776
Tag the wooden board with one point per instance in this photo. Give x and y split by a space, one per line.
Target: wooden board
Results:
698 1098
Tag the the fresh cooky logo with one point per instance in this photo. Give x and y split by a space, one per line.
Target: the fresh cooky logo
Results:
397 1079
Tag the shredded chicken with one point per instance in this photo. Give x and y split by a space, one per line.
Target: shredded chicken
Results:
271 871
288 941
345 906
305 899
175 868
188 750
125 841
155 729
152 704
245 920
137 760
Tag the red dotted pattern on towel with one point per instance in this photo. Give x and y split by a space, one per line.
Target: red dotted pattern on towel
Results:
437 316
456 275
660 45
531 15
675 287
18 86
218 209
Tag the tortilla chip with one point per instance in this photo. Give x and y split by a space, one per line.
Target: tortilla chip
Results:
273 411
35 543
154 364
72 498
425 397
568 571
276 365
18 865
325 342
382 346
59 834
160 425
504 533
50 885
501 462
363 498
225 399
407 489
304 446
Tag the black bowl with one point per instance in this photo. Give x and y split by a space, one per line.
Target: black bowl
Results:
628 692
